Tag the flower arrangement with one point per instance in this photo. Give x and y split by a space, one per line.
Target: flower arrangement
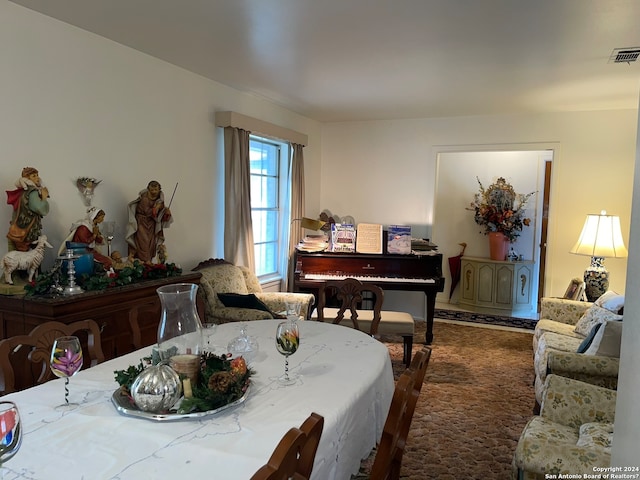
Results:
499 208
221 380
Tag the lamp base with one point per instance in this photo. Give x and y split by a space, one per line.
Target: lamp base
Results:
596 279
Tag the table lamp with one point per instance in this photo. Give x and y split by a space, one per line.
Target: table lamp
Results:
600 238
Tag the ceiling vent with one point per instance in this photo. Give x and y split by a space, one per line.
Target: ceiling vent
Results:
624 55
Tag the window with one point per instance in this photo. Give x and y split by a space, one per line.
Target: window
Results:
269 193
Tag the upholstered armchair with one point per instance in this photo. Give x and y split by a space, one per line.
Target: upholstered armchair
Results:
556 344
572 435
241 291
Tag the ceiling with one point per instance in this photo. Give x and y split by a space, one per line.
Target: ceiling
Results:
345 60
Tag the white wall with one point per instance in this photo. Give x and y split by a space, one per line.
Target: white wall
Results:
627 424
385 172
75 104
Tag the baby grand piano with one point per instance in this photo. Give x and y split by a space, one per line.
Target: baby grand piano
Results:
421 273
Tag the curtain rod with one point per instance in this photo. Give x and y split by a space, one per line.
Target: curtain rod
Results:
260 127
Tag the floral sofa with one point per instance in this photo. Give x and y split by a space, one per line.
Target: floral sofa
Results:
579 340
238 287
571 436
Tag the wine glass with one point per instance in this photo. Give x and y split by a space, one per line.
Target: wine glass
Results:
10 431
287 343
293 310
66 361
208 333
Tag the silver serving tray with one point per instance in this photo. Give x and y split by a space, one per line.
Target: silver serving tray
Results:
125 406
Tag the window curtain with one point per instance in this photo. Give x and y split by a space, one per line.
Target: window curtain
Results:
296 175
238 229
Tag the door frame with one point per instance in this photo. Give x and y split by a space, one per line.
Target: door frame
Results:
542 205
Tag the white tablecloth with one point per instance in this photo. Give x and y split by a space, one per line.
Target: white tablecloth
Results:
344 375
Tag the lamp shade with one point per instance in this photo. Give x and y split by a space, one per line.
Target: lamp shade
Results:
601 237
310 223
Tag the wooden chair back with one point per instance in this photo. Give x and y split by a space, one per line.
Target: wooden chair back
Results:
418 368
312 427
388 459
294 455
24 359
349 293
384 467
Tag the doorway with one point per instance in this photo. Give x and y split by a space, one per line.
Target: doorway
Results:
457 175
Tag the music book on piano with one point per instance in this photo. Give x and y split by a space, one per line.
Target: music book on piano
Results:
369 238
399 239
343 238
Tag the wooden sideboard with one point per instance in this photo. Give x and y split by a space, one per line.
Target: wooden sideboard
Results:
495 284
128 316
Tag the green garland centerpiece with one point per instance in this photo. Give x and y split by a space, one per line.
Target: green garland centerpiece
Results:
47 282
221 380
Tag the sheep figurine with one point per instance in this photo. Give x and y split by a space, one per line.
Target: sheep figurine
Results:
30 261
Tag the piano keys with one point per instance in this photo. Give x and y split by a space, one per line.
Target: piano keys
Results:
374 279
390 272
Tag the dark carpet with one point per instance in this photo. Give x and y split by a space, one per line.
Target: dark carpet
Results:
485 319
478 395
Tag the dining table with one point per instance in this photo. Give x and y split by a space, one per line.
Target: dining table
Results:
341 373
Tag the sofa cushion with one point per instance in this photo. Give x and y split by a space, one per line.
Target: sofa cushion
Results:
545 325
551 341
607 340
238 300
593 316
542 446
596 434
611 300
586 343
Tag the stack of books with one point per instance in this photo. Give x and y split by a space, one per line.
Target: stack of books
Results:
422 245
313 243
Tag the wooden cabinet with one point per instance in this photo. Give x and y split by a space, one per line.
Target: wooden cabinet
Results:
494 284
128 316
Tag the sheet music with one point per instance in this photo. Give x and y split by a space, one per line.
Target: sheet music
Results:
369 238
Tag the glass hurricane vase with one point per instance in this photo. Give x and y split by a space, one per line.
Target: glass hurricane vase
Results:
180 329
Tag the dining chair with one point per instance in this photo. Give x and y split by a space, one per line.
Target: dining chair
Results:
418 368
312 427
350 294
384 465
390 450
25 359
294 455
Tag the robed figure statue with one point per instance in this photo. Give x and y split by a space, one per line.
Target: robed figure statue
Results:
148 216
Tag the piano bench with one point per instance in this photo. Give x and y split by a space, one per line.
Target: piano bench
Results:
391 323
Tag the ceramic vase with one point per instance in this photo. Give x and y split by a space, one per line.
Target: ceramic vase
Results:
498 246
180 329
